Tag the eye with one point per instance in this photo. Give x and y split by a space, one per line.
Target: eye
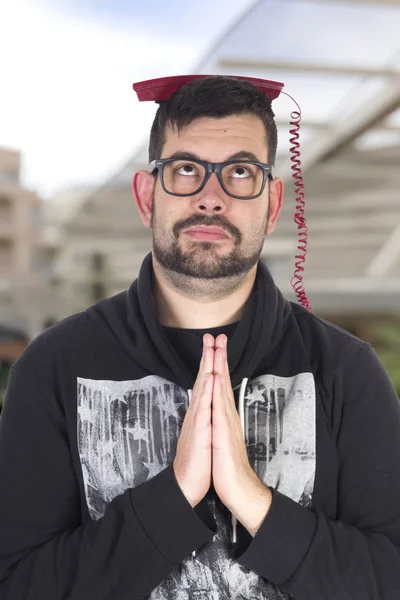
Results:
240 172
187 169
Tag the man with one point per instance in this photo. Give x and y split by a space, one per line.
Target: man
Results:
199 436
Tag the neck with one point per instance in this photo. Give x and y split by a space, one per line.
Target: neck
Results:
188 303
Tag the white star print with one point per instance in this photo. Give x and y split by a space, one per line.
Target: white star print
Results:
154 468
255 396
138 432
86 414
106 447
169 407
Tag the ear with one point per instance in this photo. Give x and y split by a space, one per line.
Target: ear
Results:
143 189
275 199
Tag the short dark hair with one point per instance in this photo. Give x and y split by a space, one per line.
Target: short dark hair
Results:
214 96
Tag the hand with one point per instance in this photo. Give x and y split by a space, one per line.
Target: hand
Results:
235 481
192 463
231 467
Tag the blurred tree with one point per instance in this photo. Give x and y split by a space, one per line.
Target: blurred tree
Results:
4 373
387 346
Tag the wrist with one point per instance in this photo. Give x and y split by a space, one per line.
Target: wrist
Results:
252 506
179 480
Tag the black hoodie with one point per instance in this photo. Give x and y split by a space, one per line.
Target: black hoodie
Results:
90 508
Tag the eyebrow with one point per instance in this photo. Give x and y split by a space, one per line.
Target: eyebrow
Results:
241 155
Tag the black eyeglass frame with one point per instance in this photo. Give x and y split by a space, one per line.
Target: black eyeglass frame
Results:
210 167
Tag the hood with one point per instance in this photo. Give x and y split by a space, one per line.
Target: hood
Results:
130 319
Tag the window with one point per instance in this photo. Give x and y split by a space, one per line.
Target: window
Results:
5 254
98 262
5 210
36 217
98 291
10 175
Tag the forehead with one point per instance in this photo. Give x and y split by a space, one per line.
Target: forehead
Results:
215 139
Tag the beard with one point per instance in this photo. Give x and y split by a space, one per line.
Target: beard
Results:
203 260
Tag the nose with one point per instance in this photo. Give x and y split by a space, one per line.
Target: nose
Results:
212 197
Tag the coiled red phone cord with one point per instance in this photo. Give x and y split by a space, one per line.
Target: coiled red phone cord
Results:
299 218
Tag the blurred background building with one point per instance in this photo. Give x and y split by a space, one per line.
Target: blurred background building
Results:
20 211
58 257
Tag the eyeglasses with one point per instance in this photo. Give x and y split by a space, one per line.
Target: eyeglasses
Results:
244 180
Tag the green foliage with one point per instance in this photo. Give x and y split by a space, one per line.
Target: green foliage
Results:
387 346
4 373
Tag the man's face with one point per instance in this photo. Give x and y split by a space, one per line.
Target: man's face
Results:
244 222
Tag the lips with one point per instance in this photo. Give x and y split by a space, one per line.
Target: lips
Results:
207 230
208 234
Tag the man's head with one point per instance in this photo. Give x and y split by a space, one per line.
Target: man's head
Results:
215 96
214 119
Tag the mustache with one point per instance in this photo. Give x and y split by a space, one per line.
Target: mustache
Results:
207 221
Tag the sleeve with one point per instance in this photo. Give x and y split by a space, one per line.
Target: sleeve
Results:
357 555
45 549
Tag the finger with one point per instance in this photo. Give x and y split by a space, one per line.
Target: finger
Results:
217 384
218 361
221 362
202 407
208 340
224 358
221 341
208 354
208 389
223 385
219 397
221 359
200 375
206 366
222 400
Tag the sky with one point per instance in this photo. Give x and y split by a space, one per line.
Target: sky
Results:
66 74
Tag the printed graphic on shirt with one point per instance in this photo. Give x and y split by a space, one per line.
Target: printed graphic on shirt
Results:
128 432
280 433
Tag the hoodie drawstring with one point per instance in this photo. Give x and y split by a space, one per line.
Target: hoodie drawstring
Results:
242 394
190 399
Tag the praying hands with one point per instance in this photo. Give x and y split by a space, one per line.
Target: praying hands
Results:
211 445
